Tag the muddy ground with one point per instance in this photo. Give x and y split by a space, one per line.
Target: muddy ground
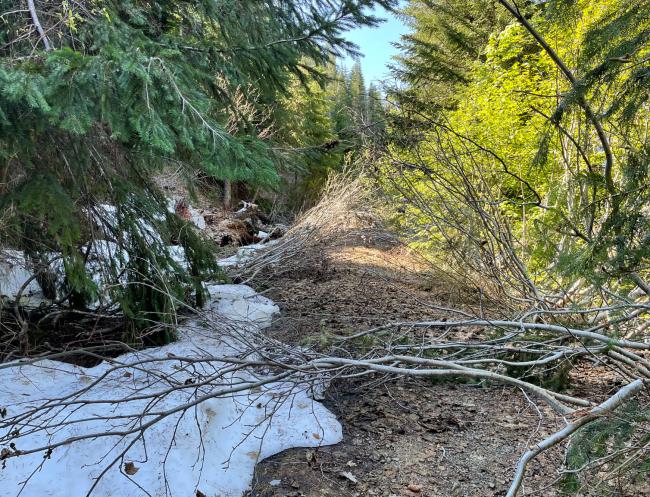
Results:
409 437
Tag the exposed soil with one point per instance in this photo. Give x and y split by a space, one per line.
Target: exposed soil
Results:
407 437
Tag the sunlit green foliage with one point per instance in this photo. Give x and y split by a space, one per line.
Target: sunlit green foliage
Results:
497 118
519 160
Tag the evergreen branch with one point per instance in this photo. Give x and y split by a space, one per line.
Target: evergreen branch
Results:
316 31
606 407
186 103
566 133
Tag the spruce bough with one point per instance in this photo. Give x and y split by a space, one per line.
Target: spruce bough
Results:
97 96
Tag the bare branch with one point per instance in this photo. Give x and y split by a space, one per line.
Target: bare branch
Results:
606 407
37 24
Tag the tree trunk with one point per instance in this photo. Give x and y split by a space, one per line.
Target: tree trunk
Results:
227 194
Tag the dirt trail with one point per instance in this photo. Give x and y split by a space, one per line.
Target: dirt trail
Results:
406 437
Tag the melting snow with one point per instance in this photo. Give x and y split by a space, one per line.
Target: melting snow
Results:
245 253
14 277
212 447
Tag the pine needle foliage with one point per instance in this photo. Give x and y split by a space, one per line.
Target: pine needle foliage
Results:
107 92
446 37
606 444
326 126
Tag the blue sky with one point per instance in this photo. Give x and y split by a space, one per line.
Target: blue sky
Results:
375 44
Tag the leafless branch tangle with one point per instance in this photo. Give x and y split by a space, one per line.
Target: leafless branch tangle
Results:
261 373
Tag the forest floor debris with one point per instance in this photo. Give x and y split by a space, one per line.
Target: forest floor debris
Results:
402 437
408 437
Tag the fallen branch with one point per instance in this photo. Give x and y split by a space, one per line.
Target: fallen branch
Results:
449 369
562 330
608 406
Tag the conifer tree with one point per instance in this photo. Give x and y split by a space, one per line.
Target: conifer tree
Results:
326 125
376 115
95 97
438 53
358 95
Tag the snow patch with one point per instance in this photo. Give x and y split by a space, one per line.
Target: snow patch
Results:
197 218
245 254
195 215
211 447
106 265
242 304
15 275
177 253
106 215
